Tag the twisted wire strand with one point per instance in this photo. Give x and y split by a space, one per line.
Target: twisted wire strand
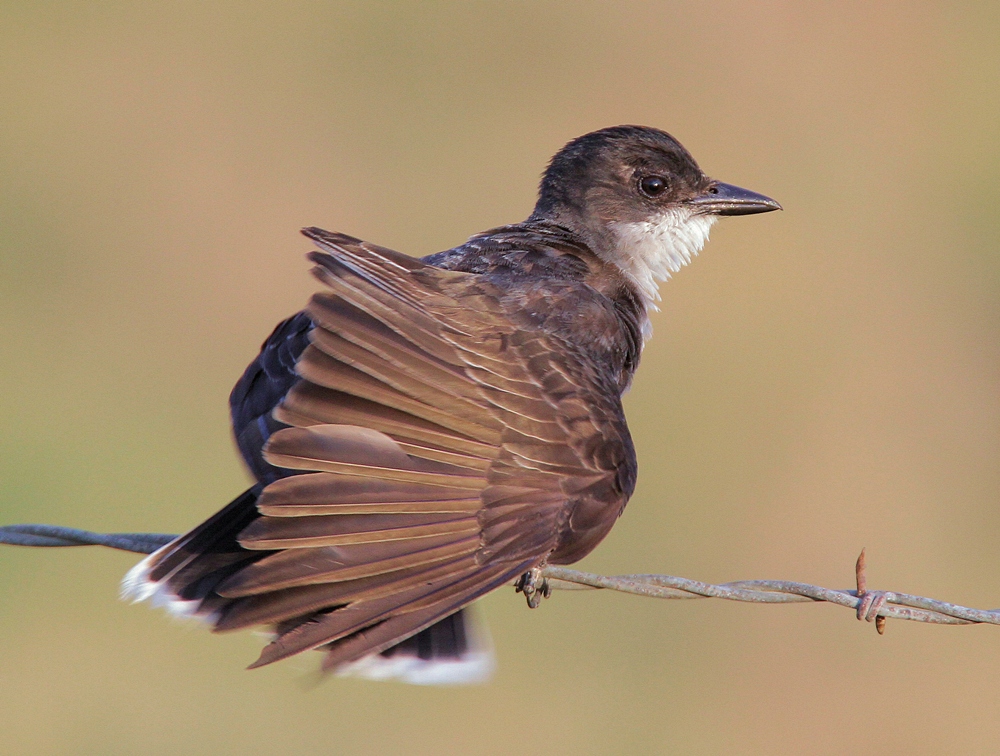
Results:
897 605
892 604
55 535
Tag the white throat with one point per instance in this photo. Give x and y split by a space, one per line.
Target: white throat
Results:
654 249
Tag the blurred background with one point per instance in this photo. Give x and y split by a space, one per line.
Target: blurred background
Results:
820 379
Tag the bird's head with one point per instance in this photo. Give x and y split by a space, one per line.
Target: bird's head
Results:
640 201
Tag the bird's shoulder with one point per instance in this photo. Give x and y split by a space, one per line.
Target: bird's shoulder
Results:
550 282
536 250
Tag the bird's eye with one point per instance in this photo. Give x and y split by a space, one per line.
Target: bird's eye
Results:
652 186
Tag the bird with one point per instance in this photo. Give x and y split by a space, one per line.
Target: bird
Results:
428 430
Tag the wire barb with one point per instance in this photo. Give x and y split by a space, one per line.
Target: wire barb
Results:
871 602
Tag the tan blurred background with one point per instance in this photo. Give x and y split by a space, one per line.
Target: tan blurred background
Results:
820 380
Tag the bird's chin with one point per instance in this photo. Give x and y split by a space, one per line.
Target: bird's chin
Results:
651 251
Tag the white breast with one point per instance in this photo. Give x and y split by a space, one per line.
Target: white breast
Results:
652 250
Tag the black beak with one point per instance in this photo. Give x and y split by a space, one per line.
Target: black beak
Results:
726 199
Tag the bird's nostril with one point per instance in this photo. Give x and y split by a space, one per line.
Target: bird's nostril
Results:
713 190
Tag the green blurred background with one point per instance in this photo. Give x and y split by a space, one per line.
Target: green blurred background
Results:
821 379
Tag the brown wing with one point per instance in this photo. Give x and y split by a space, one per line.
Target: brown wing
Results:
445 452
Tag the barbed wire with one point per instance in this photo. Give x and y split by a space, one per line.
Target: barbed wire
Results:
56 535
873 606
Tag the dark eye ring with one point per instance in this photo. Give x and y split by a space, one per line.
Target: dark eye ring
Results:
652 186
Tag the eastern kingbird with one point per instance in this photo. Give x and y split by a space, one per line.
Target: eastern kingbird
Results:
426 431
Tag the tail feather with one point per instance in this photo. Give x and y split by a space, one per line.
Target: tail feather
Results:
454 651
440 645
181 574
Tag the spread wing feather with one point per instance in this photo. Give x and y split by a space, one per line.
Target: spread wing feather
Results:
440 451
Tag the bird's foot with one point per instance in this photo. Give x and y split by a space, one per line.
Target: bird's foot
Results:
533 586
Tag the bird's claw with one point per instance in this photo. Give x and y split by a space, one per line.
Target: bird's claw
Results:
533 586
